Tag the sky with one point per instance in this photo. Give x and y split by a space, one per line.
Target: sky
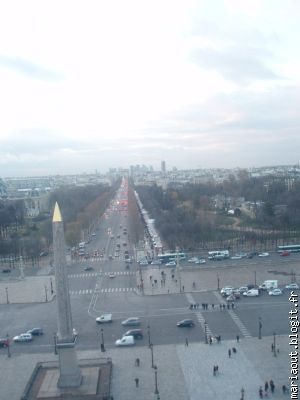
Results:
89 85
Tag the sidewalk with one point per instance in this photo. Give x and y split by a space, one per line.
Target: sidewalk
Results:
184 372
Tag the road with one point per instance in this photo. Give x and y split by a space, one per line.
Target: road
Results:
93 293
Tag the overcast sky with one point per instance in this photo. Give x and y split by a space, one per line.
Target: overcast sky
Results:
88 85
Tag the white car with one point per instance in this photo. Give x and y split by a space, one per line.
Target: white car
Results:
226 289
193 259
275 292
236 257
23 337
200 261
170 264
292 286
264 254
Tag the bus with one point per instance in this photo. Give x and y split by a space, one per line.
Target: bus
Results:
167 257
218 255
293 248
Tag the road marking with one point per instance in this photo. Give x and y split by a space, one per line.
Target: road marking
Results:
202 322
234 317
95 274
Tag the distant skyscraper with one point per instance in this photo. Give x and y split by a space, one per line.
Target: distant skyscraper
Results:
163 167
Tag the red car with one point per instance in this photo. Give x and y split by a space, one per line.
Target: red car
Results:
285 253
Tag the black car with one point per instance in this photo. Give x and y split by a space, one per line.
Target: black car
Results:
4 342
6 270
186 323
136 333
36 331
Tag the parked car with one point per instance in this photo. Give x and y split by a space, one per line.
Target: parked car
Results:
125 341
131 321
200 261
185 323
265 254
251 293
36 331
136 333
292 286
285 253
6 270
88 268
275 292
23 337
170 264
243 289
4 342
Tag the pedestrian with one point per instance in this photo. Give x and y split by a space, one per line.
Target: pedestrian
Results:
237 338
137 362
272 347
210 339
214 370
217 368
234 350
183 288
229 353
136 382
284 389
186 342
150 277
232 305
213 306
203 306
272 386
220 305
260 392
228 305
266 386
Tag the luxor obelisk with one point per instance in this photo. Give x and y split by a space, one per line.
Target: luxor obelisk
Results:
69 371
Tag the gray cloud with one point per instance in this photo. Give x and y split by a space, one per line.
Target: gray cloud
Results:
28 68
240 64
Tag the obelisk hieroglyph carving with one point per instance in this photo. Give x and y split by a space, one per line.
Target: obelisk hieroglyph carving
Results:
70 374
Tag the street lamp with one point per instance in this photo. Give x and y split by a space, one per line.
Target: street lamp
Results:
151 349
259 327
51 285
155 376
102 341
8 346
274 344
149 339
218 280
255 278
55 343
46 294
6 290
205 331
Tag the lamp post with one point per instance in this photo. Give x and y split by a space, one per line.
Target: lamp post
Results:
155 377
274 344
8 346
242 393
218 280
46 293
102 341
255 278
152 362
51 285
55 342
149 339
6 290
259 327
205 331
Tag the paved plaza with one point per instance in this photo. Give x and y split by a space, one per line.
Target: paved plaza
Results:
184 372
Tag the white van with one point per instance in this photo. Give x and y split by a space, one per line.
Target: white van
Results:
125 341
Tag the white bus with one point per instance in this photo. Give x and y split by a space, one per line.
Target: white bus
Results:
218 255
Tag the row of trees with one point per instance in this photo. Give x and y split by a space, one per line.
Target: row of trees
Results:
186 216
80 207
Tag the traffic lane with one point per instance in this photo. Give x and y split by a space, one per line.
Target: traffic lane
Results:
220 323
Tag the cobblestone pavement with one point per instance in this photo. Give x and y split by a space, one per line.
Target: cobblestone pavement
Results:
183 372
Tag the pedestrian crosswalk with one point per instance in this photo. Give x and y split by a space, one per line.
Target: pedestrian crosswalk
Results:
96 274
104 290
203 324
239 324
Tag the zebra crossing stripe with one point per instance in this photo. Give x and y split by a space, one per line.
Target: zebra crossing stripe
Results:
239 324
202 323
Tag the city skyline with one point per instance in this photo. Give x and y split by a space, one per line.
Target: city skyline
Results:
197 84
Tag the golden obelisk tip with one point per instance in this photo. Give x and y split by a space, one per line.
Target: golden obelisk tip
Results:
56 214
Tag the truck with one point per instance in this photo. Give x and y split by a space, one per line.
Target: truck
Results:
104 318
269 284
